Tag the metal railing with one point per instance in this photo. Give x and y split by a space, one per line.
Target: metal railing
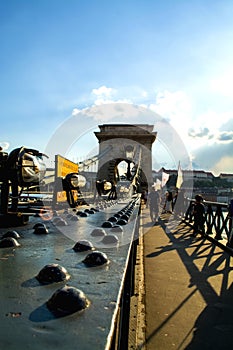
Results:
218 220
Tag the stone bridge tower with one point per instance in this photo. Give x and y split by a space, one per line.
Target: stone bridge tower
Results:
131 143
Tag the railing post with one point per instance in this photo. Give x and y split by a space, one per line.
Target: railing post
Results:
230 237
218 235
217 221
209 219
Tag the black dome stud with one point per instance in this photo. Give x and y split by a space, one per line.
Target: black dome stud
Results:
129 212
91 211
41 229
9 242
67 300
107 224
52 273
112 219
122 222
95 258
39 224
95 209
13 234
84 214
125 217
82 246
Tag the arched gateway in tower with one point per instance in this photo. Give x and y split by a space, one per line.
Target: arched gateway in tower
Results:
129 143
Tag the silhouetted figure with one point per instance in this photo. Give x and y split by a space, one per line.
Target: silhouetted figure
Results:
144 197
198 216
154 203
168 206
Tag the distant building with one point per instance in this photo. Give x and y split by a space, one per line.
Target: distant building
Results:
187 174
200 181
228 177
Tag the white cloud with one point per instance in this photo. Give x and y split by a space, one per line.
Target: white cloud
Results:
176 107
103 91
212 119
75 111
201 132
107 95
172 104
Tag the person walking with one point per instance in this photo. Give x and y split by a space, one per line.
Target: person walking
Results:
154 204
167 208
198 216
144 198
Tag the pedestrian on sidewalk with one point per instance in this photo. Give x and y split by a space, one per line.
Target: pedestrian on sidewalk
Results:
144 198
198 216
154 204
167 208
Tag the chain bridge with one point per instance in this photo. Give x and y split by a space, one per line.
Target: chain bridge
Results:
100 275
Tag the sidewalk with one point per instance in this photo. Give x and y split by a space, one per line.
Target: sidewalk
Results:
188 289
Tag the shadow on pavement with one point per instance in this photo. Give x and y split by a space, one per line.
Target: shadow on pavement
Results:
210 275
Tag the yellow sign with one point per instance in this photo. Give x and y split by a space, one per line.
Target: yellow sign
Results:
64 167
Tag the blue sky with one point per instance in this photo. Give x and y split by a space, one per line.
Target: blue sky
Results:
172 57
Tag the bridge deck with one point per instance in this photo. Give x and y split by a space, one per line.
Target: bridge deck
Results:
188 289
25 320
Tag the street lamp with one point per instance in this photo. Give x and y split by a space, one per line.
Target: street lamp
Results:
129 151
